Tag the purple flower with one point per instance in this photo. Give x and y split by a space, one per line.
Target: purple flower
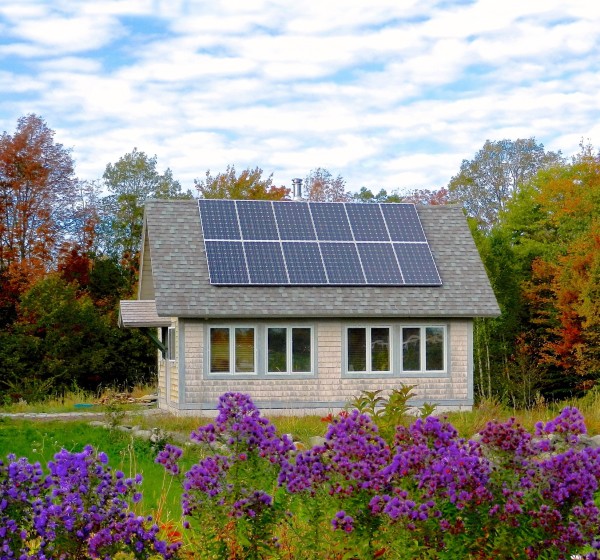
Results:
168 458
343 522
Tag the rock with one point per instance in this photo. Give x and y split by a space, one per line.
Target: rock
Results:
316 440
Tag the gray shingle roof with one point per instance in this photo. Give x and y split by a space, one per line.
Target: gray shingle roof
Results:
182 287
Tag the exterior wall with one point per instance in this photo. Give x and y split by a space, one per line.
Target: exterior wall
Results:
168 373
330 388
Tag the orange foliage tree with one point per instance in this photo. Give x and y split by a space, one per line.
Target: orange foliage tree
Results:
37 192
564 291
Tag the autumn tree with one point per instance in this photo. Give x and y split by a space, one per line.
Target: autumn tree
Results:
37 193
543 259
131 180
249 184
37 189
486 183
321 186
564 290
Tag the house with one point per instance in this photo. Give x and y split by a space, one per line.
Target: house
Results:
304 305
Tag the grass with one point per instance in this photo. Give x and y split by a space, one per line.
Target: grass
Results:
67 402
40 441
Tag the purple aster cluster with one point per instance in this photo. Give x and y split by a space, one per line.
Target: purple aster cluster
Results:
435 466
508 438
204 481
252 505
240 426
168 458
569 424
434 484
343 522
351 459
81 509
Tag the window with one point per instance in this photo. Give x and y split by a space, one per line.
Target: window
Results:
368 349
171 343
289 349
423 348
232 350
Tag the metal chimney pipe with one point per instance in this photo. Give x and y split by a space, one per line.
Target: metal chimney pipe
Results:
297 189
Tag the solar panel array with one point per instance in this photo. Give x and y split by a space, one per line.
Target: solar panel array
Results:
259 242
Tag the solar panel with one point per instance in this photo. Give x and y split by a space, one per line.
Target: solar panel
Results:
417 264
257 220
294 221
304 263
265 263
342 263
366 221
331 222
403 222
379 263
219 219
300 243
226 263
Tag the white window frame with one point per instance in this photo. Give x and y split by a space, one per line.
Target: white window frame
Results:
369 358
288 349
231 329
423 348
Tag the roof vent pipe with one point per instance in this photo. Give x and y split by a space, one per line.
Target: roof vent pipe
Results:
297 189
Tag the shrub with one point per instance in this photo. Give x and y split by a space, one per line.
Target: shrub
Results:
431 494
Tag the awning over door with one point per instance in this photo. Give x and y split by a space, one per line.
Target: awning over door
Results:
139 314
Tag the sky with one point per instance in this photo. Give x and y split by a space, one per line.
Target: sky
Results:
390 94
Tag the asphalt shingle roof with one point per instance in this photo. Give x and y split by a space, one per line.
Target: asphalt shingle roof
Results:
182 287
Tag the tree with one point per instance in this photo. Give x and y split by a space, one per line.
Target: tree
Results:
486 183
321 186
249 184
368 196
426 197
61 340
37 191
130 181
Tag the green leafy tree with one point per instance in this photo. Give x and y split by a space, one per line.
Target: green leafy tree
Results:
131 180
248 185
62 340
486 183
368 196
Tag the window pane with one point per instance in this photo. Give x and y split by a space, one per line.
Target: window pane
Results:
301 350
380 349
276 349
434 348
219 350
411 349
244 349
357 349
171 344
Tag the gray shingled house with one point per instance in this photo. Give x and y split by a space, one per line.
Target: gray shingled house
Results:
301 317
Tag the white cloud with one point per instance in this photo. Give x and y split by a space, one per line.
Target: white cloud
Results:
388 94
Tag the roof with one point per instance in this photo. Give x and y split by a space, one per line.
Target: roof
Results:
175 247
141 313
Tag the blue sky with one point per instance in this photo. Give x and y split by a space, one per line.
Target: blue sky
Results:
387 93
